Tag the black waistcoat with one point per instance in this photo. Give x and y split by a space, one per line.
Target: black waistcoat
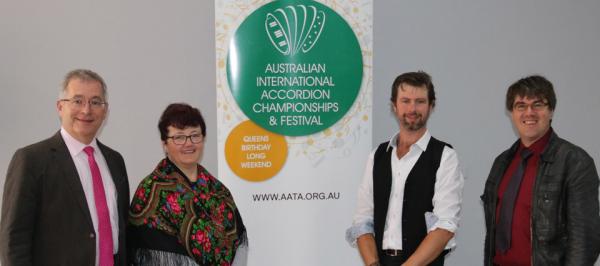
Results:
418 193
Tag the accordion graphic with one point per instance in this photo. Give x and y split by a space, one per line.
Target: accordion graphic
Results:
294 28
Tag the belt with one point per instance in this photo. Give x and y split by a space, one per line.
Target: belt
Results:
392 252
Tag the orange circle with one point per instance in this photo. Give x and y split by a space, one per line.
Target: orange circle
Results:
253 153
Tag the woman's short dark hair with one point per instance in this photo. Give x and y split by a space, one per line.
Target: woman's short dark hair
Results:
416 79
180 115
534 86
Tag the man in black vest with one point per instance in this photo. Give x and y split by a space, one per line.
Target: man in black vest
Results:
410 197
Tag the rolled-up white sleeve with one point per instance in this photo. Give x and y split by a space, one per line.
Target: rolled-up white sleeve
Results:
447 198
362 222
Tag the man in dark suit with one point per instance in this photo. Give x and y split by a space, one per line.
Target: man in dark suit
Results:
65 198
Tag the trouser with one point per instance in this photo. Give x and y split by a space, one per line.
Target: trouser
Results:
386 260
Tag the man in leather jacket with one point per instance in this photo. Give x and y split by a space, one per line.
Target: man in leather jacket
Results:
541 196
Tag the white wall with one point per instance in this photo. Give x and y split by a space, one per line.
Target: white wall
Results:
152 53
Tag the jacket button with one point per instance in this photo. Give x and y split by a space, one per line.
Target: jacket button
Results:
92 235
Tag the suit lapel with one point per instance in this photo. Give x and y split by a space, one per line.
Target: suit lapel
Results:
119 177
113 166
63 160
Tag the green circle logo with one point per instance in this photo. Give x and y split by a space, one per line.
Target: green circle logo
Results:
294 67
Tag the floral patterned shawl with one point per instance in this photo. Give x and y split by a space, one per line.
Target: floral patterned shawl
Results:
202 215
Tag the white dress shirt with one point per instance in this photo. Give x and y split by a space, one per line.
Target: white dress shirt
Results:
446 200
85 176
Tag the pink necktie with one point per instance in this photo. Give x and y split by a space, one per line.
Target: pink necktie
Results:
105 240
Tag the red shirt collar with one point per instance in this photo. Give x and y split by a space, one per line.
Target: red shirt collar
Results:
539 145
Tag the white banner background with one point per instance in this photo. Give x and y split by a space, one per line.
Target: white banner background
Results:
299 216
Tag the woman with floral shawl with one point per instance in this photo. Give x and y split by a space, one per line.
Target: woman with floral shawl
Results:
180 214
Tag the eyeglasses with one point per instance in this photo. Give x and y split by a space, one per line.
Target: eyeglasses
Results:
181 139
535 106
80 102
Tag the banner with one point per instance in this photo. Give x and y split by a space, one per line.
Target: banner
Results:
294 86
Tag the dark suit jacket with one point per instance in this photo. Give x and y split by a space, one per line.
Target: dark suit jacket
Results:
45 217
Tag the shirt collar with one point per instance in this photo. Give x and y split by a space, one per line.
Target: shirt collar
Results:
421 143
539 145
75 147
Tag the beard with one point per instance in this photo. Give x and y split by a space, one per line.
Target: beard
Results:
419 122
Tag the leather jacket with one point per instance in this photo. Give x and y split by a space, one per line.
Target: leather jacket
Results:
565 221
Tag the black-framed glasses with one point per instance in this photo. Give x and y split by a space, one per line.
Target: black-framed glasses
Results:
80 102
181 139
535 106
